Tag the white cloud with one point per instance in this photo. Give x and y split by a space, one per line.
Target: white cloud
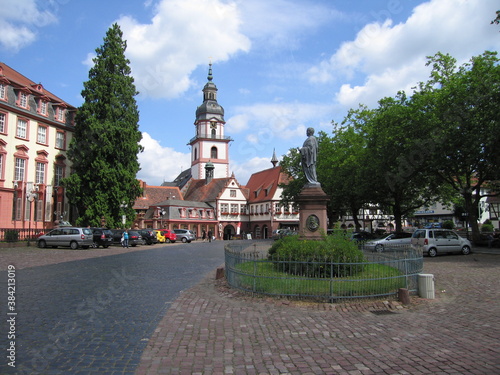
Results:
277 121
385 58
279 23
181 35
19 21
244 171
159 164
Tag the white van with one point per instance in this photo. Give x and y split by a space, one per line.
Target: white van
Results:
440 241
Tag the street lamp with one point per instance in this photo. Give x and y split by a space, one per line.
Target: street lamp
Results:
30 197
161 212
124 217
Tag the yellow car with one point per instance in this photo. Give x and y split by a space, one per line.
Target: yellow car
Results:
160 236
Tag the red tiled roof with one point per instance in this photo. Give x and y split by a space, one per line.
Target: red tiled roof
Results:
266 180
17 79
155 194
200 191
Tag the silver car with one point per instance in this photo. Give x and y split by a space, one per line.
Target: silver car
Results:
185 235
73 237
392 241
440 241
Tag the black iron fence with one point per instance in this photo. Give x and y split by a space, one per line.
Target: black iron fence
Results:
16 235
380 275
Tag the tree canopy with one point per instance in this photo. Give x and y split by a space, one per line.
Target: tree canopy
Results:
105 145
438 144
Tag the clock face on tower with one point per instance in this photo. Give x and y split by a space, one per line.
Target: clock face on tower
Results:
213 125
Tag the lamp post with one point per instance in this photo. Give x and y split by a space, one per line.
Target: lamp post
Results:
124 217
161 212
30 197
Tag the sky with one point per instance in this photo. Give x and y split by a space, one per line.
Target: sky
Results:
280 66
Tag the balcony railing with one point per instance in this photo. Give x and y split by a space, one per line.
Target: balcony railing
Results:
210 136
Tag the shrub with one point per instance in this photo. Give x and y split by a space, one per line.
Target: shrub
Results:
334 255
487 226
11 235
448 224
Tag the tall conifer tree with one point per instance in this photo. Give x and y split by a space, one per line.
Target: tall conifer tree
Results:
105 145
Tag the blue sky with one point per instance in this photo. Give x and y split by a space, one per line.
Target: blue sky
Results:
280 66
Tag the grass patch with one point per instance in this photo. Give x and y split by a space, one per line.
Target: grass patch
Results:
373 279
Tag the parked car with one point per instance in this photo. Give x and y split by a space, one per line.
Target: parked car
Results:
101 237
73 237
440 241
159 236
169 235
362 236
149 236
392 241
185 235
134 238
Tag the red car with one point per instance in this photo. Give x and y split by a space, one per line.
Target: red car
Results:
169 235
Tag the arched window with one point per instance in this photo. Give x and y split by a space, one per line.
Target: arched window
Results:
213 153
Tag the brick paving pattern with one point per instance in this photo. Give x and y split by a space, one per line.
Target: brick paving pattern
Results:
211 329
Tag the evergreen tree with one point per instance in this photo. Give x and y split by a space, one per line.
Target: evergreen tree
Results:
105 145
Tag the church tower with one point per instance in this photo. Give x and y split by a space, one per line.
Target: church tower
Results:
210 145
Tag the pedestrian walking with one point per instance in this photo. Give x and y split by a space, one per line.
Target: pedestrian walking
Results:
209 236
204 235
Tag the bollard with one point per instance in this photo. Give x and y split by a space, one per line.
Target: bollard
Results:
404 296
219 273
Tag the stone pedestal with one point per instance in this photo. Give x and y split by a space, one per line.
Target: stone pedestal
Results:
312 202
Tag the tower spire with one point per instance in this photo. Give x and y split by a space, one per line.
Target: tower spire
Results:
274 160
210 77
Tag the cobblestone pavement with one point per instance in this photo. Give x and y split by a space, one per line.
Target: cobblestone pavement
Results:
88 313
213 330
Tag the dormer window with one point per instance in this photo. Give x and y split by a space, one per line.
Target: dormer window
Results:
22 100
3 91
60 114
42 107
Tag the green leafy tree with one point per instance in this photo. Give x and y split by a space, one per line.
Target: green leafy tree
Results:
464 103
104 149
399 151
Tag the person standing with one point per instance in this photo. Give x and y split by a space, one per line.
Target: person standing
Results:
204 235
125 238
209 236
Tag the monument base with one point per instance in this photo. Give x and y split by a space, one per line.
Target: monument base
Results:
312 202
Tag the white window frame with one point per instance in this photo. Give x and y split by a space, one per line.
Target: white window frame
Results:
22 131
60 140
23 99
19 169
40 173
3 122
41 136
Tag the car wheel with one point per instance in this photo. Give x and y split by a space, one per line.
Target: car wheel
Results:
432 252
466 250
167 240
184 240
42 244
73 245
379 248
95 245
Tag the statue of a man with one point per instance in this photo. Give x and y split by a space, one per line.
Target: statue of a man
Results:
309 152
